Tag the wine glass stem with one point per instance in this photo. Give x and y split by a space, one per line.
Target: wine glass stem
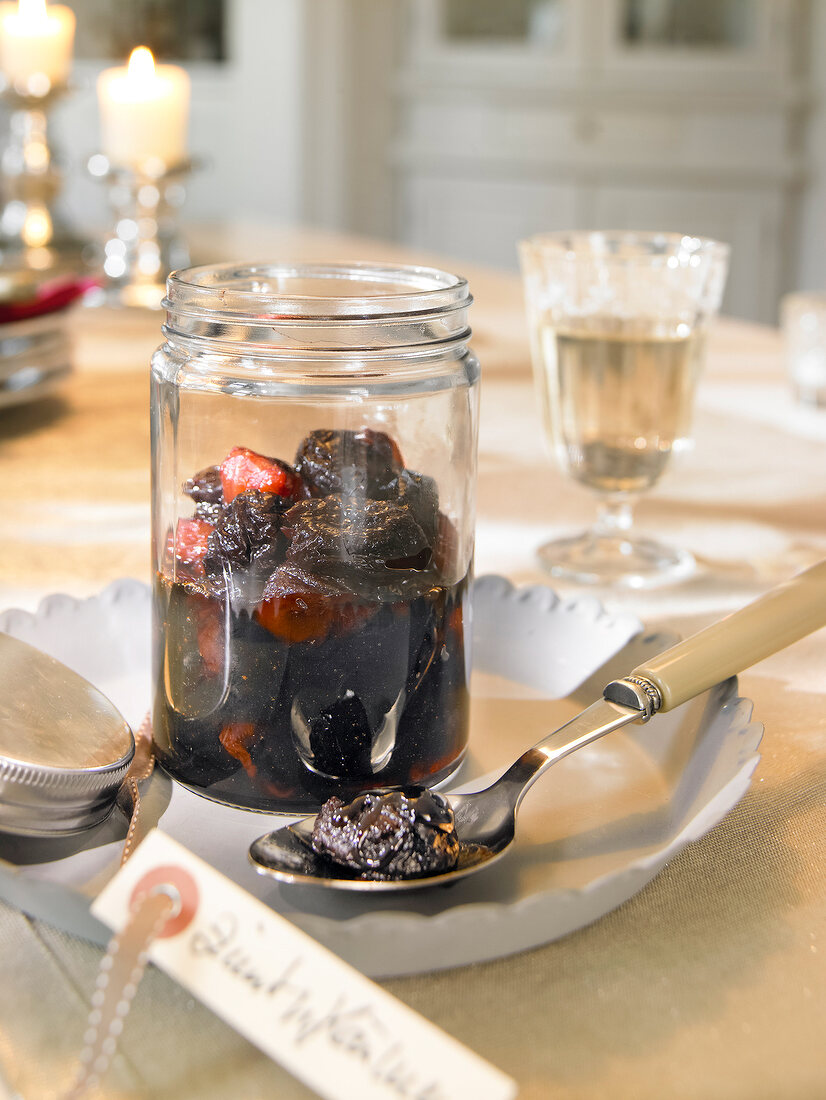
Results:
614 517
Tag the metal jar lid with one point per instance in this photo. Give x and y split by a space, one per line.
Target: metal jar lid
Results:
64 748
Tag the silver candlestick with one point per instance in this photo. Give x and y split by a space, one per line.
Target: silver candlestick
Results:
145 243
33 230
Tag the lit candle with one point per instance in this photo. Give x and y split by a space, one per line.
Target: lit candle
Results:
36 45
144 112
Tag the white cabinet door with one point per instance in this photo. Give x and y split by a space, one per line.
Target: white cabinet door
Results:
714 44
480 220
750 220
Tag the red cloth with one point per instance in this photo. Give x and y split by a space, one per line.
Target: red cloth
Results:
50 298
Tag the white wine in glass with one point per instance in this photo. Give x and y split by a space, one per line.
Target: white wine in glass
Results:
618 345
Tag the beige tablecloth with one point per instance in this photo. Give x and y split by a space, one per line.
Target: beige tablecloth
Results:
712 981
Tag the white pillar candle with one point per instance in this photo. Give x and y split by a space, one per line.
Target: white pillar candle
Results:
144 112
36 45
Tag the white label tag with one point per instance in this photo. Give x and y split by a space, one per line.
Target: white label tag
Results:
334 1029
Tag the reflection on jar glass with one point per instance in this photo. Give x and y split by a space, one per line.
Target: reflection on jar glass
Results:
314 458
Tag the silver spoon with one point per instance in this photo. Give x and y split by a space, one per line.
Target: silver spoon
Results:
485 821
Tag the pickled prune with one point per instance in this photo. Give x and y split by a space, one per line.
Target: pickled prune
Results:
365 663
418 493
248 531
361 463
211 513
341 740
205 487
290 580
388 835
369 543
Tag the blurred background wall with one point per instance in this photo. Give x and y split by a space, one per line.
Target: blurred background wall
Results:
462 125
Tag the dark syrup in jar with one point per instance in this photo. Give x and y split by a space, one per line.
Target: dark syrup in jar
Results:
308 644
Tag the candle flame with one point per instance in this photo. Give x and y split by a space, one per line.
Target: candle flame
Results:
37 228
32 13
141 64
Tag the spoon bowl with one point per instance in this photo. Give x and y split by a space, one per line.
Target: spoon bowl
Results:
287 855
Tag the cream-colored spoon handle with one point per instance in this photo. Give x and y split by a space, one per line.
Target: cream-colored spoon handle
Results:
781 617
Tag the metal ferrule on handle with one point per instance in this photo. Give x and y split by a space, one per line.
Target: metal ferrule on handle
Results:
636 692
782 616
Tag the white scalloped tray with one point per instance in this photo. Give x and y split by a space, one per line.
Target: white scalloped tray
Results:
591 833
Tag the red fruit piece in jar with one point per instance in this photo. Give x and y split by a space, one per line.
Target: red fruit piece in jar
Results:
296 618
244 469
211 637
236 738
191 538
298 607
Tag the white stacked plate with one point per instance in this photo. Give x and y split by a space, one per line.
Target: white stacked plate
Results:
35 357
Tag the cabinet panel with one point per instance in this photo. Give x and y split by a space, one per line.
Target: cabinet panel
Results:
749 221
455 38
718 43
480 221
702 142
488 131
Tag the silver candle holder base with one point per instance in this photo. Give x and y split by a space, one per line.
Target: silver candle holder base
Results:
34 232
145 242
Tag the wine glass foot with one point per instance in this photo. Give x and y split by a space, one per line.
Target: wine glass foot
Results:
590 558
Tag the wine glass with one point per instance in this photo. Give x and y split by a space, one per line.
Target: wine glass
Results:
618 323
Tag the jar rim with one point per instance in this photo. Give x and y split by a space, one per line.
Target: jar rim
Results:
291 292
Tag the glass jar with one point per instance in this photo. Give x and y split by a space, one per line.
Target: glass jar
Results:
314 434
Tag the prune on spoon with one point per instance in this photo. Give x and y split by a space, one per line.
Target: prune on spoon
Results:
388 835
362 463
